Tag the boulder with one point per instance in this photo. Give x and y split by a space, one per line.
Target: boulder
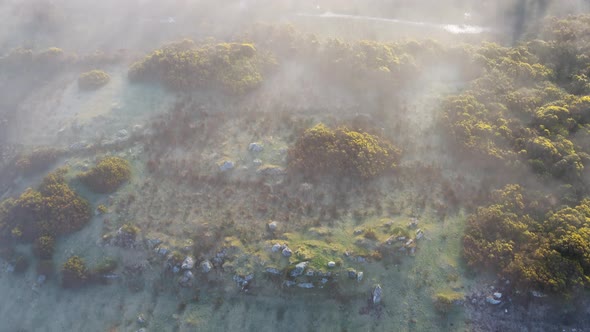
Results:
272 226
226 165
188 263
255 147
287 252
376 294
305 285
492 300
298 270
206 266
276 247
187 279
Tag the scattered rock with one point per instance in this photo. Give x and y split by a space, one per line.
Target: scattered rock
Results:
226 165
497 295
299 268
305 285
187 279
255 147
491 300
276 247
419 234
273 270
272 226
358 231
287 252
188 263
376 294
289 283
125 237
257 162
162 251
141 319
359 276
331 264
153 243
413 223
206 266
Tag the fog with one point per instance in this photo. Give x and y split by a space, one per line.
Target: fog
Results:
177 165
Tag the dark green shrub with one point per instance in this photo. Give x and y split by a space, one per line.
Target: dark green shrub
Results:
107 176
93 79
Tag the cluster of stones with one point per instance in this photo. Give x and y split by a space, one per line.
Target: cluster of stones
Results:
407 245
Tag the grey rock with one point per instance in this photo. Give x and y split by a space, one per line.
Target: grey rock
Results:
272 226
276 247
227 165
491 300
141 319
289 283
305 285
206 266
175 269
351 274
419 234
497 295
310 273
359 276
188 263
257 162
287 252
255 147
331 264
9 268
162 251
273 270
376 294
324 280
187 279
299 269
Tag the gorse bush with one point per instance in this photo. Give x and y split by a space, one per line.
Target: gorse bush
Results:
74 273
93 79
234 67
341 152
107 176
54 209
550 253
